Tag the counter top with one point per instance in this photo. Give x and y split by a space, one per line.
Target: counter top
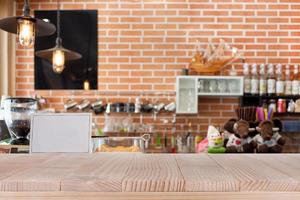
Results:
135 172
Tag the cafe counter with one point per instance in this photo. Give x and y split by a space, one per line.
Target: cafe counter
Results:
155 176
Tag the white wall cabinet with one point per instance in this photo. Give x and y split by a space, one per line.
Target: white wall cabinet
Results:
186 95
188 88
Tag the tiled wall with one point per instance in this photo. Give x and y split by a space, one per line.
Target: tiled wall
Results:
144 44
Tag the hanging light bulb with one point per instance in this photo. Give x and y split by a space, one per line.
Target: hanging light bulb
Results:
58 61
86 85
26 27
58 54
25 32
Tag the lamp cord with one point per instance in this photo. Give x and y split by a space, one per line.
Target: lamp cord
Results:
58 39
58 19
26 8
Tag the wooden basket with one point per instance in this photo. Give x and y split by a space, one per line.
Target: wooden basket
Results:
212 67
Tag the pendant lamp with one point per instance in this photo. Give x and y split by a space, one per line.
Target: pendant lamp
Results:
26 27
58 54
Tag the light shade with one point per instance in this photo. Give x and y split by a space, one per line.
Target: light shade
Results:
42 28
47 53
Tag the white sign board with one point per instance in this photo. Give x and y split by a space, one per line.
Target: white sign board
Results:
60 132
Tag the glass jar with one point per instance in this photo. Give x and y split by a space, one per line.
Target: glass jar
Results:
17 115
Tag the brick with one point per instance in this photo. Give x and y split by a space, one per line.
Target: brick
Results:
215 13
130 66
153 80
141 73
255 6
266 53
130 53
130 80
164 87
24 59
243 13
164 73
256 20
118 59
278 47
131 33
118 73
131 19
177 6
230 33
141 60
142 12
165 12
22 93
154 19
243 26
142 26
141 87
230 19
153 53
165 26
215 26
278 33
25 86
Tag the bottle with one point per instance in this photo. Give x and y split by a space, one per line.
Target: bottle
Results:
158 144
247 80
254 80
288 82
295 81
272 105
173 139
187 140
271 81
262 81
280 81
191 140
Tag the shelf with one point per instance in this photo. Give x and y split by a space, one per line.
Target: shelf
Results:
288 113
272 97
218 94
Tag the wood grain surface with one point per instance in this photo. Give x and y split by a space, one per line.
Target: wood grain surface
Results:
149 196
136 172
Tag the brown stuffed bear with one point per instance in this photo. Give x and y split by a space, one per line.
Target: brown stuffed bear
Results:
240 142
269 140
228 130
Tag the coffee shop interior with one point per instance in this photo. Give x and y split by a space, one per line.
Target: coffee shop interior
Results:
140 99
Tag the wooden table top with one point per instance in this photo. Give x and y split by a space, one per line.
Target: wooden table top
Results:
136 172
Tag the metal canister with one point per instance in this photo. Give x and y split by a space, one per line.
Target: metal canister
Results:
281 105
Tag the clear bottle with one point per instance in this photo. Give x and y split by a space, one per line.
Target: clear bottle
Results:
189 139
295 81
254 80
279 81
262 81
288 82
247 80
271 81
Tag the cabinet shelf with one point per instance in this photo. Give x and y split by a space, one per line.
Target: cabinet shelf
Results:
188 88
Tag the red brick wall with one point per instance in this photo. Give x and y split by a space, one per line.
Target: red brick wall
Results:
144 44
